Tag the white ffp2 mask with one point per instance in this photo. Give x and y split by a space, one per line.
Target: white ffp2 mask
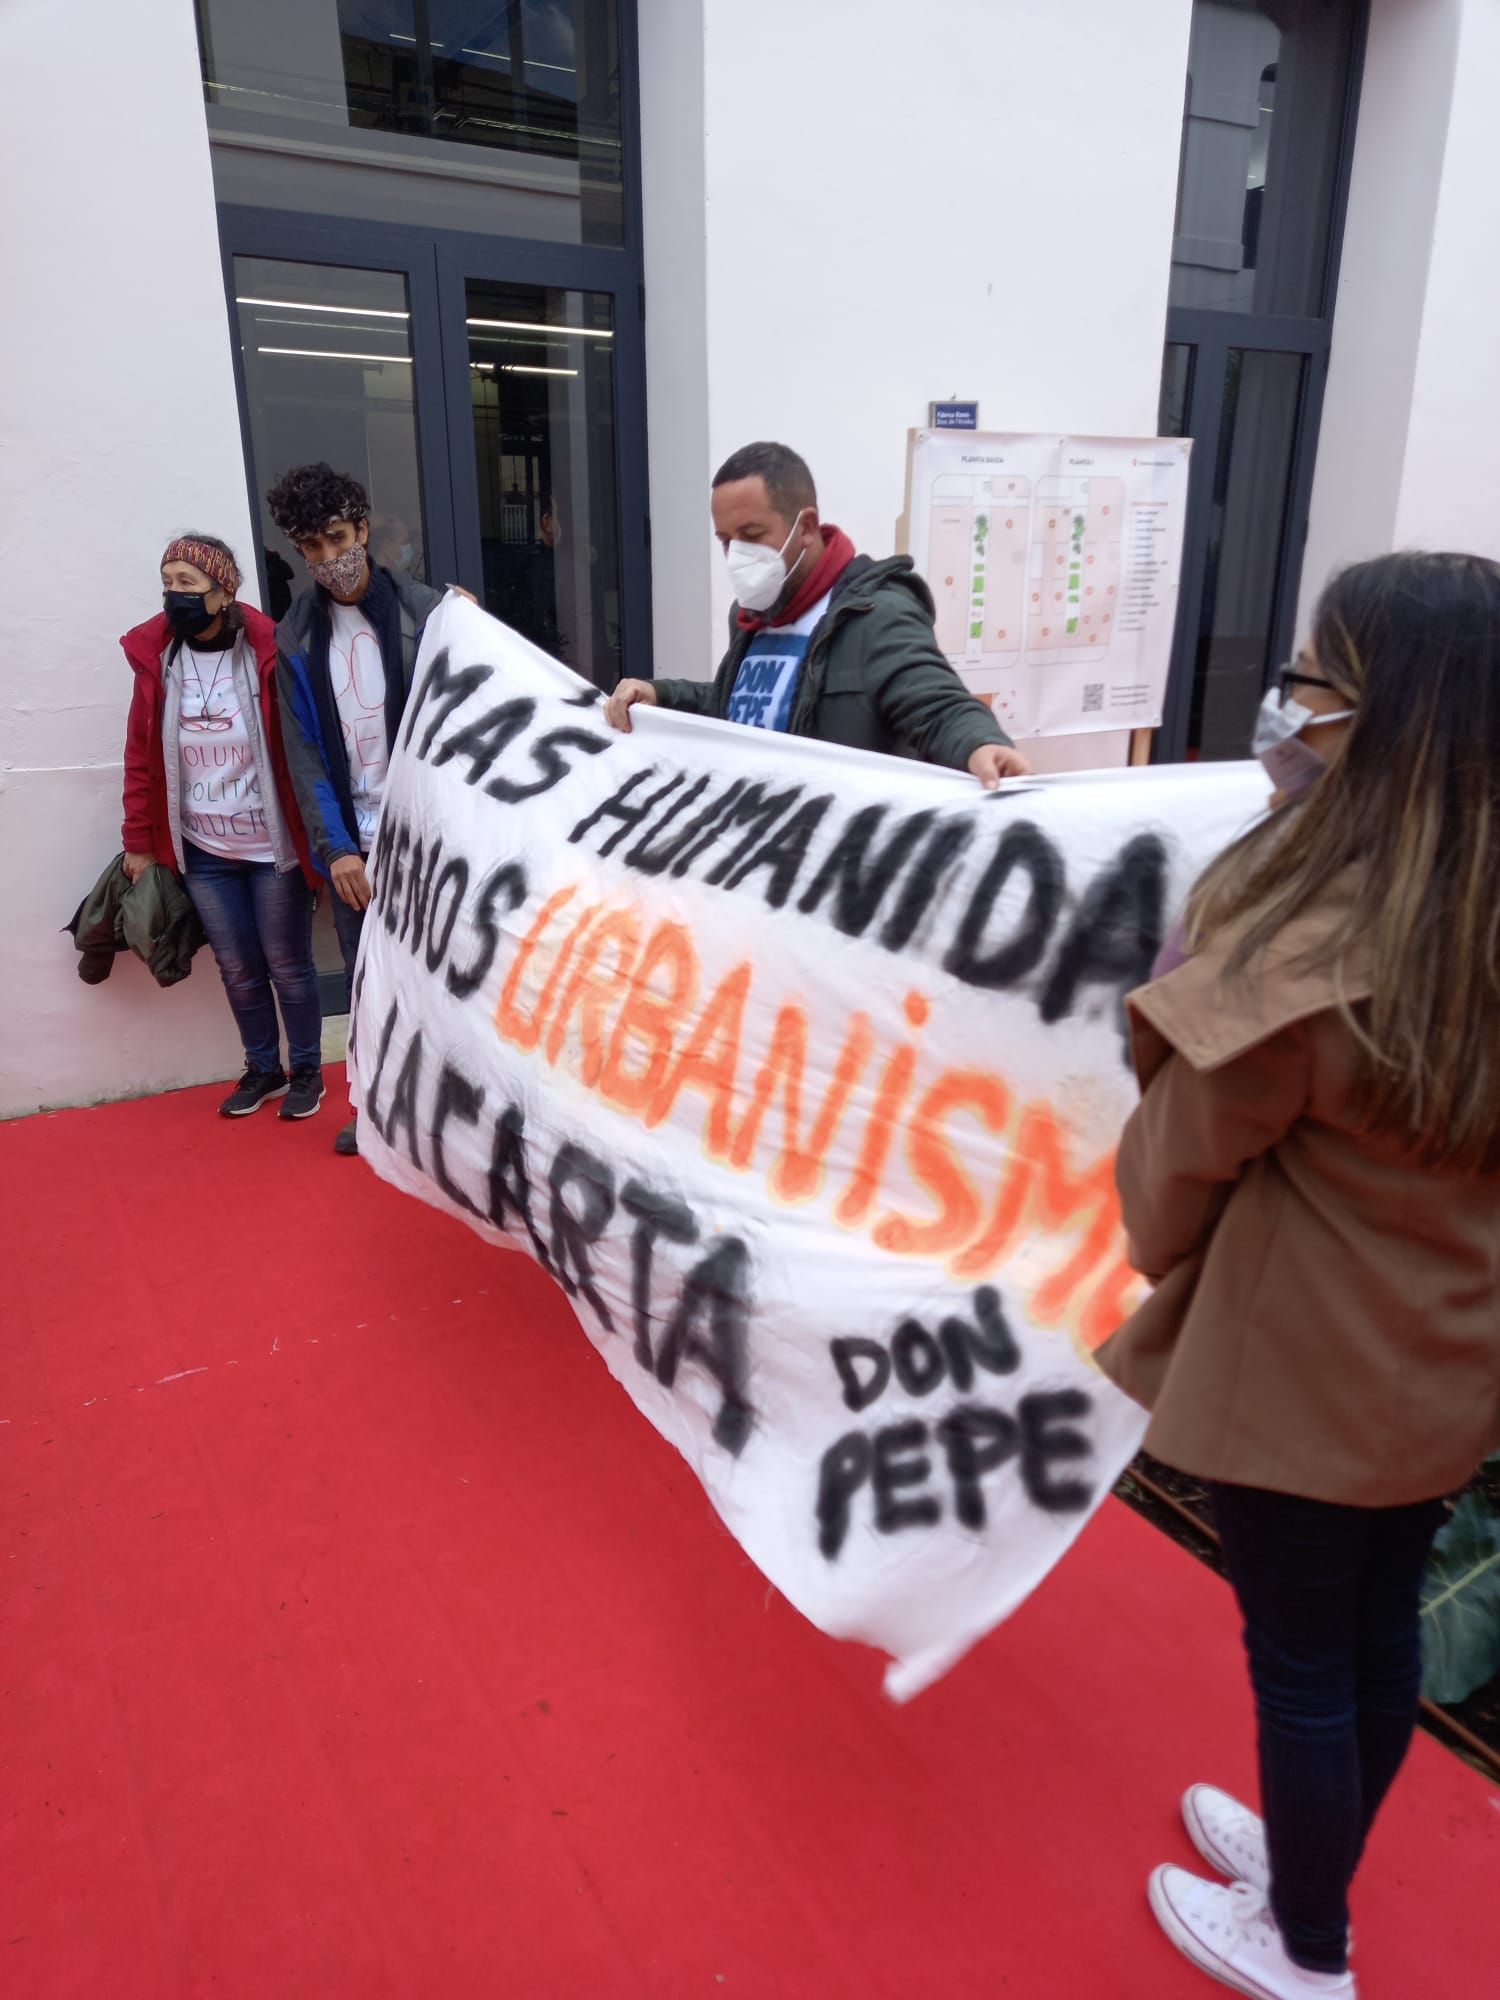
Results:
759 574
1288 762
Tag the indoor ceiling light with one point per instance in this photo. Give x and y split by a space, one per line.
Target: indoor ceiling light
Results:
529 368
334 354
263 319
541 326
525 341
307 306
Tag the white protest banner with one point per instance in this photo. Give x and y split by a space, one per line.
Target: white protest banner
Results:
802 1071
1054 565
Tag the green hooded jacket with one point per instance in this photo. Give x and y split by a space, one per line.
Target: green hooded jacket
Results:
873 678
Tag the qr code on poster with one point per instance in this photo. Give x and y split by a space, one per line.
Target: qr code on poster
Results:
1093 697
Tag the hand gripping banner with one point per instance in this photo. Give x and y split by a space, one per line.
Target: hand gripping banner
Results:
801 1071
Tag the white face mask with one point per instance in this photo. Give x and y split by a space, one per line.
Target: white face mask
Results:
1289 763
758 573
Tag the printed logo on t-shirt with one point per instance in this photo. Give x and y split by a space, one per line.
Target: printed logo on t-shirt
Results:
767 680
765 688
219 796
357 672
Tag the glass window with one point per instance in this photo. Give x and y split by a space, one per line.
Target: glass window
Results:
328 374
458 113
1262 133
542 383
1247 527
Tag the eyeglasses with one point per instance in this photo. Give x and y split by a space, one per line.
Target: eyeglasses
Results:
208 722
1288 678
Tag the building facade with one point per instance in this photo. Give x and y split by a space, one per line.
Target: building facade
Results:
531 270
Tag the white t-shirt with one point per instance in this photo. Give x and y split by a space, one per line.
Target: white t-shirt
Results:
221 807
766 685
358 675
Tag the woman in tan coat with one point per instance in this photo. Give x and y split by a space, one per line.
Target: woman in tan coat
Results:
1312 1182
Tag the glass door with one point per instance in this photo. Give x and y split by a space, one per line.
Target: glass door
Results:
326 358
489 396
542 411
547 448
338 356
1252 411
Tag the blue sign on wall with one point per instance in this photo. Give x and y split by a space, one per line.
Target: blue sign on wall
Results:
954 416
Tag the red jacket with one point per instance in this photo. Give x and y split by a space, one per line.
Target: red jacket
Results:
147 829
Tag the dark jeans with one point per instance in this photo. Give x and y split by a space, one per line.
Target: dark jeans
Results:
1330 1598
259 924
349 924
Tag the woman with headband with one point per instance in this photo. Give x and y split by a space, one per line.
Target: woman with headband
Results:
207 793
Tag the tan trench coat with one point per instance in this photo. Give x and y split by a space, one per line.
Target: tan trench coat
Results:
1326 1318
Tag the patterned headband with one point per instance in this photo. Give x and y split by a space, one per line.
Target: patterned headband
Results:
203 555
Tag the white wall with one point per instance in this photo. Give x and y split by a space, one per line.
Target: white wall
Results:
896 205
674 152
1448 488
121 431
1411 422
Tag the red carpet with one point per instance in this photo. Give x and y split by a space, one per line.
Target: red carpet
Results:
360 1640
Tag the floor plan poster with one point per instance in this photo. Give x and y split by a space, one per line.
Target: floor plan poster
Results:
1054 564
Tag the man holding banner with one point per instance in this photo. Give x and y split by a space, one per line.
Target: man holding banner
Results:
824 642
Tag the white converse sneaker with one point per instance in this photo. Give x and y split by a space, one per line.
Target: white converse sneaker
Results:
1230 1837
1228 1933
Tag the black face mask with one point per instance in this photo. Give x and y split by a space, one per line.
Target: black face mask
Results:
187 612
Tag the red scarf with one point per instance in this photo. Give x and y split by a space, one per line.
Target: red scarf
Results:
838 553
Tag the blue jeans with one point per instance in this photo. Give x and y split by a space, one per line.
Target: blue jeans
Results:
1330 1598
259 924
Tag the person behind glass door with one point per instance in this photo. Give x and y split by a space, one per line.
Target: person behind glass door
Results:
525 591
346 652
391 544
1312 1183
280 577
208 793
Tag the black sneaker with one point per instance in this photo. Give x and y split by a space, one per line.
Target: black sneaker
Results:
347 1142
255 1088
305 1094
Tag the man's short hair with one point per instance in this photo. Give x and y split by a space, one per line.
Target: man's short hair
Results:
304 501
789 484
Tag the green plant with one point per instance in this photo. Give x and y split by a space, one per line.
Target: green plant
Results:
1461 1602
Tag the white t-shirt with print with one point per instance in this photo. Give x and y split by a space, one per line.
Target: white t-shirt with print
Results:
221 807
358 675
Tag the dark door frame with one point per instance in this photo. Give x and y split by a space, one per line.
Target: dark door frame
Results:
435 266
1209 335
